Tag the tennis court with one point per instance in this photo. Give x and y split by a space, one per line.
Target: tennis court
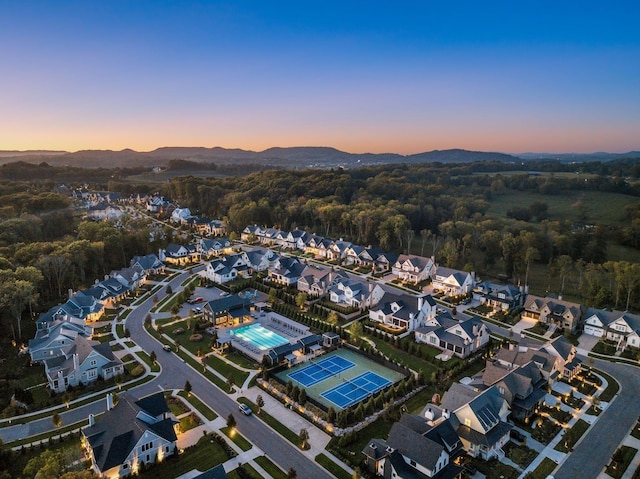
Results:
326 379
356 389
320 370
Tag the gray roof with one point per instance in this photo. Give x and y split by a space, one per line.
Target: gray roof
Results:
563 347
117 432
414 445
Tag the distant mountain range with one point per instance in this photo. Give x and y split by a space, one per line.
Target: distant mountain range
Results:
293 157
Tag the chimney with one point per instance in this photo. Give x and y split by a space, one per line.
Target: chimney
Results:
420 303
76 362
446 414
70 293
428 414
109 402
92 420
512 346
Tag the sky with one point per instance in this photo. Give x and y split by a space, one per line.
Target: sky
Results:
402 77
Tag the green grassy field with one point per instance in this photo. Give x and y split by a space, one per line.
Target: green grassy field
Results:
601 207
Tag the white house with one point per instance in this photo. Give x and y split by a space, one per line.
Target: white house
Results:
403 311
452 281
412 268
619 326
131 433
180 215
259 259
356 294
459 338
226 269
83 362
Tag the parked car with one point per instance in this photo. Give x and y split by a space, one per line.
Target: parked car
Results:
199 299
166 347
466 301
223 294
209 285
244 409
197 310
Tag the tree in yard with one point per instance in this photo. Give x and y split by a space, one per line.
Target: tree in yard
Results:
187 388
304 437
230 383
302 397
153 357
231 421
301 300
273 295
410 235
356 473
331 415
292 474
169 290
15 296
356 330
259 403
174 309
56 420
532 254
147 320
563 265
333 318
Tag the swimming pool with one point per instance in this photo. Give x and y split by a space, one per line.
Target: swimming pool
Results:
259 336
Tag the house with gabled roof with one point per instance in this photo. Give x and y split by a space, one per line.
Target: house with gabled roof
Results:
619 326
215 228
501 297
458 338
553 311
316 281
150 263
415 448
83 362
403 310
132 277
104 212
181 215
213 247
286 271
178 254
524 387
355 293
132 433
258 259
295 239
452 282
83 306
251 231
566 354
226 269
313 244
516 356
53 337
228 311
413 269
338 250
480 422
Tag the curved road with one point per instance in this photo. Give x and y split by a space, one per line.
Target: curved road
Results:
590 457
173 375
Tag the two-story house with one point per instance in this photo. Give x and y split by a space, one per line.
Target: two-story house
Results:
316 281
403 311
413 269
132 433
553 311
503 297
83 362
452 282
619 326
357 294
458 338
226 269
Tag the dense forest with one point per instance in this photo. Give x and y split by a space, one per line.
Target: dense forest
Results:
568 229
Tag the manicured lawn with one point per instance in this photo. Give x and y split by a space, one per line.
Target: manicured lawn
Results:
405 358
521 455
272 422
494 469
227 370
248 470
205 410
620 461
176 406
274 471
612 388
545 468
572 436
332 467
236 437
203 456
189 422
155 367
240 360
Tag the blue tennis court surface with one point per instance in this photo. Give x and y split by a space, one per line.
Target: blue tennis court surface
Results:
320 370
356 389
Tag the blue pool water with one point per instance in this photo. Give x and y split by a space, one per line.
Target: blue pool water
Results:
261 337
